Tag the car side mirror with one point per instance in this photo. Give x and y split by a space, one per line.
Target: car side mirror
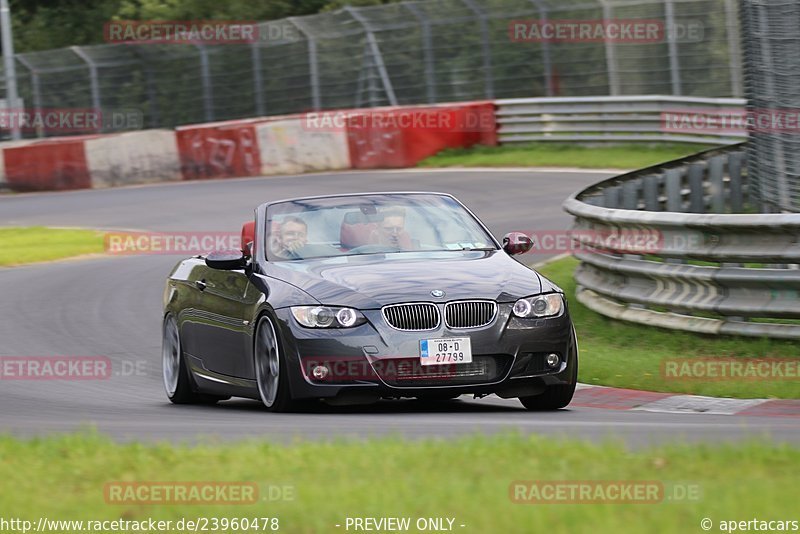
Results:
516 243
226 260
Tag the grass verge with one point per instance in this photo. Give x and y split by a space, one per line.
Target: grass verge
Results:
20 245
555 154
616 353
467 479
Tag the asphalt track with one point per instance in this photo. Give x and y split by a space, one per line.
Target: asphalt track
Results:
111 306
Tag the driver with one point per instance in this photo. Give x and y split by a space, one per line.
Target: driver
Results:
292 237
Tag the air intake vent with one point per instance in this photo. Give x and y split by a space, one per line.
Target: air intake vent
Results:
469 313
413 317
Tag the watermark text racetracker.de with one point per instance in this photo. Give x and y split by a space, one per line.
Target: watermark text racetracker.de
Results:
181 243
631 31
730 369
602 492
67 368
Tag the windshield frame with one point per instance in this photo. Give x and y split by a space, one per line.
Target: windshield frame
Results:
263 210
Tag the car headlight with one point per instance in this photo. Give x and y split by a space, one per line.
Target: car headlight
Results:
327 316
539 306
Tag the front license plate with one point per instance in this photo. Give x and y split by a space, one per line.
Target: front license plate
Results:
445 350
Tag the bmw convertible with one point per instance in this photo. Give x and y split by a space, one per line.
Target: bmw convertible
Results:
349 299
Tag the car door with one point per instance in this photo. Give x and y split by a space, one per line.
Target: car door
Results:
221 329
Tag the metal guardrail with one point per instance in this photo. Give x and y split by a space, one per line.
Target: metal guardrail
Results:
610 118
674 246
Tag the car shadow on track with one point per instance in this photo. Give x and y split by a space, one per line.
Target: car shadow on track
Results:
464 404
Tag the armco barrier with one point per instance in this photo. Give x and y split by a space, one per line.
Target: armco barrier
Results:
713 266
615 119
293 146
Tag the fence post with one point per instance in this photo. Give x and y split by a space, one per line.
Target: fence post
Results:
36 89
9 72
734 48
205 74
672 45
546 60
377 57
93 81
486 50
427 52
611 53
255 55
313 66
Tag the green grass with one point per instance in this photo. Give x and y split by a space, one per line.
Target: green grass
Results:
555 154
32 244
621 354
466 478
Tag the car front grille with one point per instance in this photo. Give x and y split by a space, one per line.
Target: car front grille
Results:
412 317
469 313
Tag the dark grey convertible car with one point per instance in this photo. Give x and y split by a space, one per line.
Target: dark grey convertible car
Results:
354 298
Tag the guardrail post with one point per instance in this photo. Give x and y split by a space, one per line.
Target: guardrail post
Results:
650 184
485 48
630 195
427 51
672 183
377 57
611 197
735 184
93 80
313 65
716 176
694 175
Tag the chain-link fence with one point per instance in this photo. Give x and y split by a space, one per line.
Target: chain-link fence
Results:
772 59
405 53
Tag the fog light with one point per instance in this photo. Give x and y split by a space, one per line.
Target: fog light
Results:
320 372
553 360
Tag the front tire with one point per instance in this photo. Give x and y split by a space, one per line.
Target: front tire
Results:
271 372
177 382
558 396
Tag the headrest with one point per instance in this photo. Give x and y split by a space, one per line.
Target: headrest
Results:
357 229
248 238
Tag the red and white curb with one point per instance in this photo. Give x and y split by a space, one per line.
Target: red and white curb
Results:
589 396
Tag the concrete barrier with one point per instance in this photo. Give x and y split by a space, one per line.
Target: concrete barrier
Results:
218 150
402 137
291 146
363 139
133 158
52 165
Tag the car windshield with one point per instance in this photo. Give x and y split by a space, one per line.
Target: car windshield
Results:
371 224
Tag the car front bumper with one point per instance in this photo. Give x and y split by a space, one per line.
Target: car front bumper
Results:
375 360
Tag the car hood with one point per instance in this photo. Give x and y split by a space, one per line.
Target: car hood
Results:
375 280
